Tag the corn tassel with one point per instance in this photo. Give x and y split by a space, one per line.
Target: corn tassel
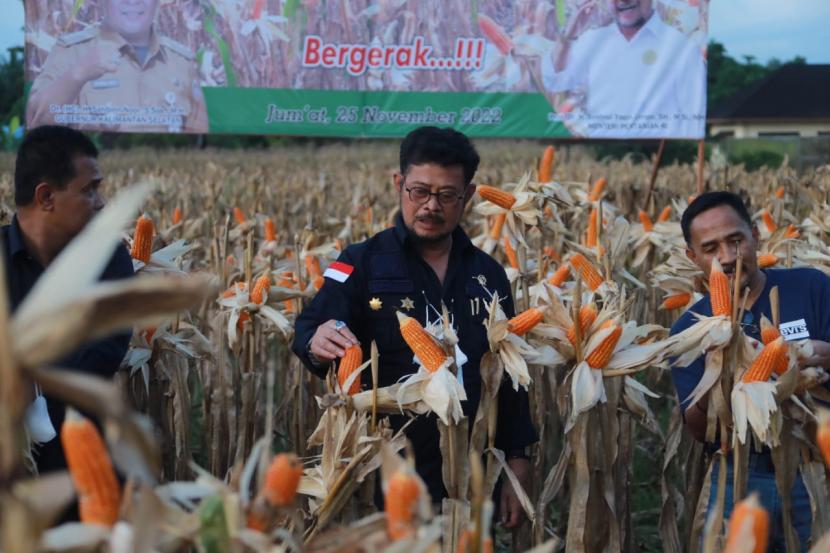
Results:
768 222
498 224
719 295
763 365
495 34
270 230
260 292
238 216
350 362
767 260
510 252
497 196
602 354
648 225
525 321
546 165
587 270
591 235
99 495
587 316
282 479
596 190
749 511
560 275
177 216
142 240
665 214
421 343
401 500
676 301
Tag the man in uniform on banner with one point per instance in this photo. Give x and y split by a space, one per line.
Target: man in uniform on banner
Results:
639 76
120 75
424 261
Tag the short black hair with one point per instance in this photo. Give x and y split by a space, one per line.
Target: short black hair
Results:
445 147
707 201
47 154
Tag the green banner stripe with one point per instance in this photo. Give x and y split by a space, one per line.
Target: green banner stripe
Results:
378 114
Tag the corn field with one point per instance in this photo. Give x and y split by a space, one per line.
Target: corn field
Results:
228 248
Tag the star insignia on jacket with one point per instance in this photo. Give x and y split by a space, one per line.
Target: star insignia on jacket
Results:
375 304
407 304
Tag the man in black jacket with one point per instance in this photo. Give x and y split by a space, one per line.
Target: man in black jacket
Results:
424 261
56 183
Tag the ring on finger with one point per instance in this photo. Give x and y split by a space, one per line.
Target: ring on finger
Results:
338 325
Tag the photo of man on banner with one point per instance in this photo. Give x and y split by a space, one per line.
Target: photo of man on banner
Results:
120 75
636 76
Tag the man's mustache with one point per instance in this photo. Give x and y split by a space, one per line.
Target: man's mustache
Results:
430 218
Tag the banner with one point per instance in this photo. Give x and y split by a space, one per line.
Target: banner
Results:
524 68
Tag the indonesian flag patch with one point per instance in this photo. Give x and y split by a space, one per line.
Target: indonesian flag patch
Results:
339 271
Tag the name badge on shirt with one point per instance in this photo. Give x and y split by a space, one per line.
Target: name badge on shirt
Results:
794 330
105 83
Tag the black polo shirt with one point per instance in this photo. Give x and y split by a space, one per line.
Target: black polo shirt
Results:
390 273
101 357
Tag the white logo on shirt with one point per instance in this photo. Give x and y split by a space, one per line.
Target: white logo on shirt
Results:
794 330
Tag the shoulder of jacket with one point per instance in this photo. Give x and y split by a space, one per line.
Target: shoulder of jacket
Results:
70 39
177 47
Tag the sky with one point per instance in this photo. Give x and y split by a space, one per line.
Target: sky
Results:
764 29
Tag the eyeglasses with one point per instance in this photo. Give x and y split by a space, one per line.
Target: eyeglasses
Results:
421 195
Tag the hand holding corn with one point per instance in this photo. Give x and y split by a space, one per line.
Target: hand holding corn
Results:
330 342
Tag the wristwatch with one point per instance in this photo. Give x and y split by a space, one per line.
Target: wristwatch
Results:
313 358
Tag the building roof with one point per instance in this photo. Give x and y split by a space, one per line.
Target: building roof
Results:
794 91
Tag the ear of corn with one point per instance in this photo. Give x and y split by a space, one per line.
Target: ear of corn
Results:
282 479
90 467
260 292
601 355
779 192
587 316
546 165
495 34
312 266
348 364
665 214
792 232
767 260
768 222
421 343
270 230
676 301
648 225
552 254
768 330
749 511
766 361
238 216
560 275
142 240
586 269
548 211
510 252
719 293
591 236
287 281
596 190
176 218
823 435
497 196
498 224
465 543
401 500
525 321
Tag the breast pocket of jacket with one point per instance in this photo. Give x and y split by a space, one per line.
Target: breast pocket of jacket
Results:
386 297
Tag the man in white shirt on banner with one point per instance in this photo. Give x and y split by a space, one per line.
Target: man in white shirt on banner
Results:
640 77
